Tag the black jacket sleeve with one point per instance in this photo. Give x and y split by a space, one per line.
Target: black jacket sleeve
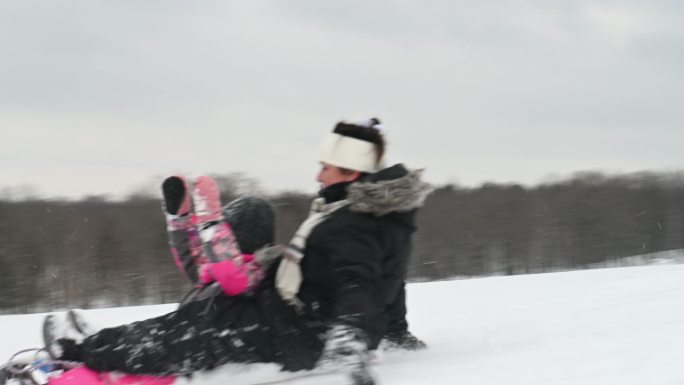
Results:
397 245
355 254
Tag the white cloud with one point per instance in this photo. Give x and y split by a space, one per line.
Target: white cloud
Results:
470 90
616 26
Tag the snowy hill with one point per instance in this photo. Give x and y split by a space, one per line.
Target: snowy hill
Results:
621 326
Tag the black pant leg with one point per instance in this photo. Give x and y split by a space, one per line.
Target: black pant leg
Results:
200 336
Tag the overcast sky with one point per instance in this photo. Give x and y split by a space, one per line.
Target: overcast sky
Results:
98 97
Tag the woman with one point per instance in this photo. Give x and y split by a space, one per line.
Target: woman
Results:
325 303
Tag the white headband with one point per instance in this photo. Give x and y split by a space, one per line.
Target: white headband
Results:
350 153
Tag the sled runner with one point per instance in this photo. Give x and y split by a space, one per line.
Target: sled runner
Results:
321 377
32 367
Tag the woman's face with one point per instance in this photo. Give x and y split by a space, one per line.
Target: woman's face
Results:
330 175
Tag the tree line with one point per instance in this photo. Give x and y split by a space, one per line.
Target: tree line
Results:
58 254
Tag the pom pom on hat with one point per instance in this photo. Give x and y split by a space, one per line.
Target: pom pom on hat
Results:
372 123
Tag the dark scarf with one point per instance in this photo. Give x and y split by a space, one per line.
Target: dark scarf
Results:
334 192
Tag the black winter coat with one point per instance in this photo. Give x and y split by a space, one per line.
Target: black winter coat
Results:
354 264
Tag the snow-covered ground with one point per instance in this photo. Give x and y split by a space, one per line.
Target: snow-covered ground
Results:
620 326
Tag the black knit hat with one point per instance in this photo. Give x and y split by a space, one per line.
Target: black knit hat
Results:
253 222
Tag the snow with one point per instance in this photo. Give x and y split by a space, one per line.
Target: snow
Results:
619 326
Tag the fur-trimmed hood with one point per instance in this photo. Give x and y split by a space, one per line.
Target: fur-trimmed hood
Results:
394 189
